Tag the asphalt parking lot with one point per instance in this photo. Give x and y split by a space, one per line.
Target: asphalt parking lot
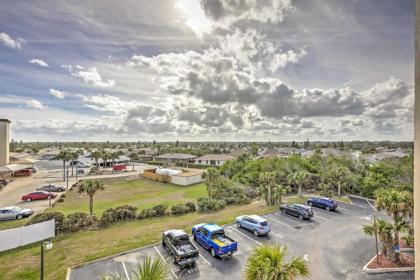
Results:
332 242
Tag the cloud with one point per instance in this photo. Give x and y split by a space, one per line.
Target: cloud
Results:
38 62
34 104
89 75
57 94
10 42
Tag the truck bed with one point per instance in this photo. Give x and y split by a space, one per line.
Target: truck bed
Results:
222 241
185 248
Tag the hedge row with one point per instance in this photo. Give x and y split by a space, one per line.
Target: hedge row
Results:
70 223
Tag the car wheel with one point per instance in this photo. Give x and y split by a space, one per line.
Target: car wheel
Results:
283 212
255 232
60 190
328 208
238 225
213 253
310 203
300 217
29 199
18 217
195 238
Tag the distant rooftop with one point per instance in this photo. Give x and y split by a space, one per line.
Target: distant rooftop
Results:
215 157
175 156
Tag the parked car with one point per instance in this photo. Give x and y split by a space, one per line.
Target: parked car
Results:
213 238
37 196
298 210
256 224
23 172
4 182
178 244
11 213
323 202
52 188
119 167
34 169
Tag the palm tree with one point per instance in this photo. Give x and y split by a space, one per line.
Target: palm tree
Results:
149 270
339 177
73 156
105 157
299 179
64 156
398 204
114 156
267 182
384 230
133 157
96 155
211 176
268 262
90 187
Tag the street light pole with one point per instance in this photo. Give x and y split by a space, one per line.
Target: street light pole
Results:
42 261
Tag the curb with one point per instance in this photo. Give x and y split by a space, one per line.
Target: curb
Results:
385 270
407 249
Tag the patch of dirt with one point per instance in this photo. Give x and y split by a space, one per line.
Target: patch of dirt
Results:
406 261
403 244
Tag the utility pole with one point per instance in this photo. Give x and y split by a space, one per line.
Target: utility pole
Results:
42 261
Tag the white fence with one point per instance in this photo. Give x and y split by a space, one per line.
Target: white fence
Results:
16 237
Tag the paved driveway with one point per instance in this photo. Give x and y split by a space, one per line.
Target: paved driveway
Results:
333 243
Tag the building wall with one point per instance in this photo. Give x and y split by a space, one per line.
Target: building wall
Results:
210 162
4 142
186 180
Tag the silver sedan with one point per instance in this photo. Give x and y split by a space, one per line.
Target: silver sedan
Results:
12 213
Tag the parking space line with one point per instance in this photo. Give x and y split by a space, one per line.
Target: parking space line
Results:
125 270
274 220
163 259
204 259
276 234
257 242
326 211
316 216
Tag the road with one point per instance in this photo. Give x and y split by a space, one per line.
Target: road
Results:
333 243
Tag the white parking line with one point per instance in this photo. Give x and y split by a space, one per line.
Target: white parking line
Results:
163 259
204 259
125 270
326 211
274 220
276 234
316 216
253 240
373 207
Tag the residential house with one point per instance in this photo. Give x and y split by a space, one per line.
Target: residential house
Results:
175 158
213 159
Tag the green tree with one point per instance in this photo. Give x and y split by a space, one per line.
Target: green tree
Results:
211 177
133 157
105 156
267 184
73 156
254 149
96 155
90 187
299 179
384 230
399 205
268 262
65 156
150 269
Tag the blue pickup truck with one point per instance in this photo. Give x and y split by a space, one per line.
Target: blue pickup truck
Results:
213 238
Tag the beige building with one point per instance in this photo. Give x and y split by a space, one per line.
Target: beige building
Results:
4 142
213 159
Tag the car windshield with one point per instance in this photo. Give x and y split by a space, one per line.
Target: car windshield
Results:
17 209
264 224
218 233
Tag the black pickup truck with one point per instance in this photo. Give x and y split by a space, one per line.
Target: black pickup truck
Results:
178 244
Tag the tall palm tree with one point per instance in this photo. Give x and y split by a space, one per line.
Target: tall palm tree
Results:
73 156
211 176
133 156
65 156
90 187
399 205
384 230
114 156
268 262
148 270
267 183
105 157
96 155
299 179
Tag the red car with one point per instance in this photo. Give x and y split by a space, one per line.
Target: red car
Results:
37 196
23 172
119 167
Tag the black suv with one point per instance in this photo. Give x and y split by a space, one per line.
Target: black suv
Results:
298 210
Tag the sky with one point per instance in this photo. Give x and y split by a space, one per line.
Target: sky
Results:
207 70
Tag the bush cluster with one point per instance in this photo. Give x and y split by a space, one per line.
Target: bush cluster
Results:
205 204
120 213
183 208
42 217
76 221
157 211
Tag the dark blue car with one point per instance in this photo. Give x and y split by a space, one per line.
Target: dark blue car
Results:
323 202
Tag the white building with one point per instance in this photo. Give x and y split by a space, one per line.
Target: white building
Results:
213 159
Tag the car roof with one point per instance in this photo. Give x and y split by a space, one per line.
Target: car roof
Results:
326 198
257 218
8 208
177 232
212 227
303 206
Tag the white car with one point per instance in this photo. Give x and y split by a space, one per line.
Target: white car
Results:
13 212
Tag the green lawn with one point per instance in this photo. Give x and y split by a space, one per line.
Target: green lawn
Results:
142 193
75 248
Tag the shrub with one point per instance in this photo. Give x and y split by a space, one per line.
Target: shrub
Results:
190 206
109 216
42 217
60 199
178 209
125 212
63 195
157 211
76 221
205 204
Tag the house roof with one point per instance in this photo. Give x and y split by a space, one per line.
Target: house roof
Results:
175 156
215 157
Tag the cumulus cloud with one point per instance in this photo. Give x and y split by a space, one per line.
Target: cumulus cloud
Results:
224 13
38 62
57 93
34 104
8 41
89 75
